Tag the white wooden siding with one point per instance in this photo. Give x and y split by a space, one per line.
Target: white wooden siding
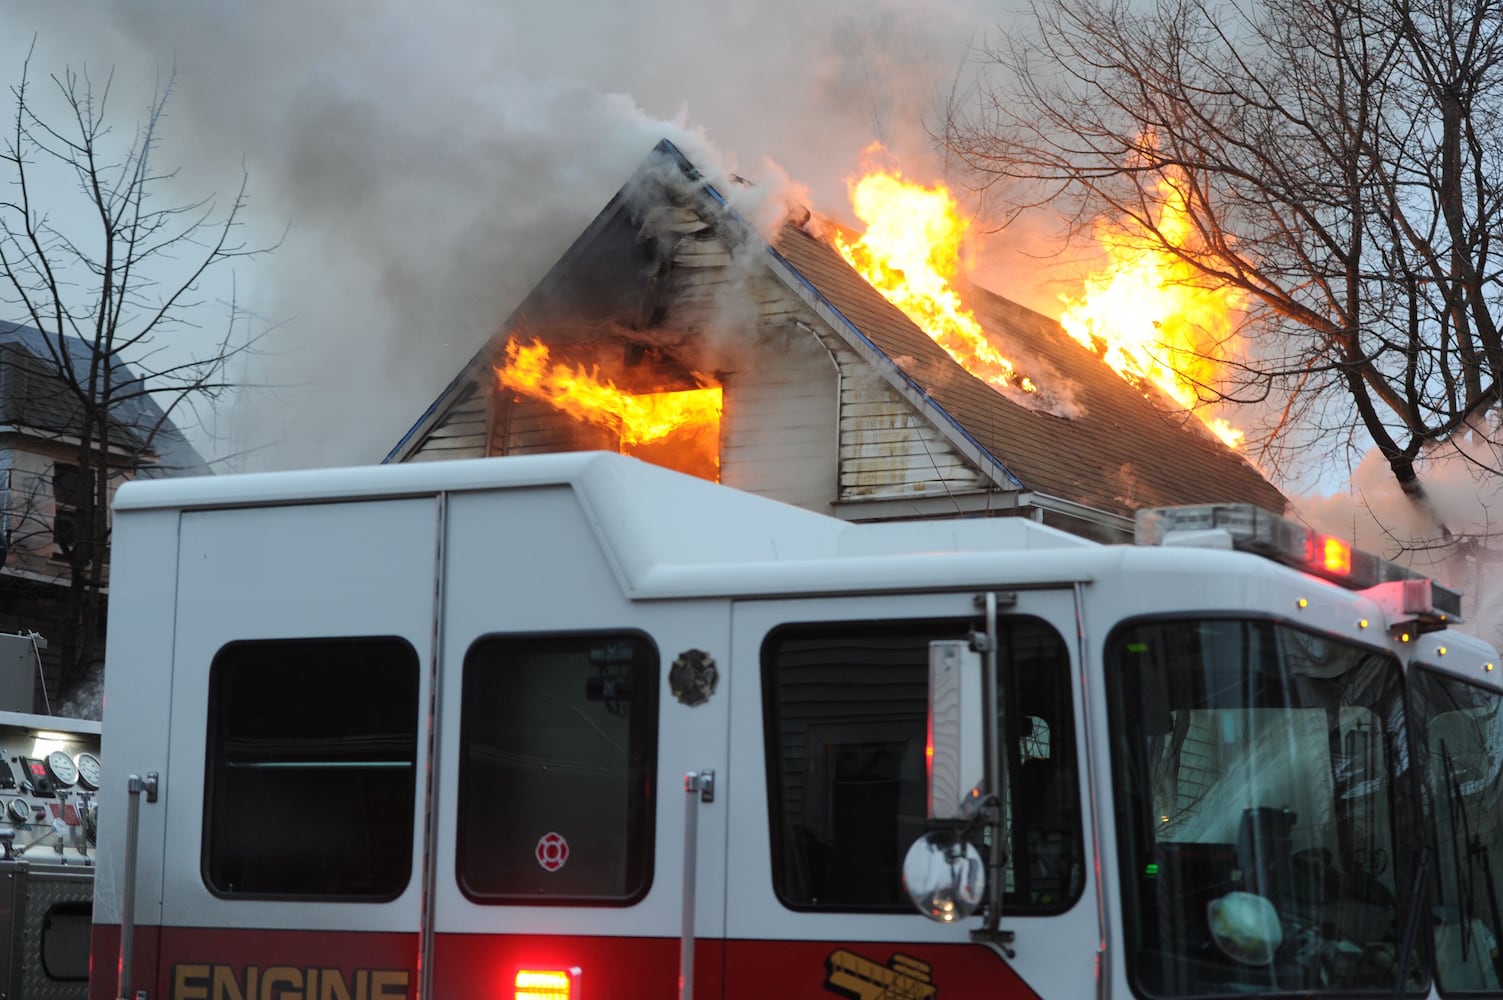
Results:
806 421
461 431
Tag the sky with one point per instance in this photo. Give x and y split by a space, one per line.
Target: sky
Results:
428 163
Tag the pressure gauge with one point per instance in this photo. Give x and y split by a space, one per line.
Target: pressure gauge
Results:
88 772
19 810
61 769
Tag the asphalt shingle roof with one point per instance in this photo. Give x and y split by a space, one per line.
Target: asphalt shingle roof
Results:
35 396
1120 451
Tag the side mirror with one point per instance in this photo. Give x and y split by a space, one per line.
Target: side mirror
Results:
944 876
954 756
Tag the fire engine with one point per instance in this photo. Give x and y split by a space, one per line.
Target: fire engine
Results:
574 726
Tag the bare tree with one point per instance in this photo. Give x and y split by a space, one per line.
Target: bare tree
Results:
103 281
1340 162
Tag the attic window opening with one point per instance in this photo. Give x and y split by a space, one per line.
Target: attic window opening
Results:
659 413
67 496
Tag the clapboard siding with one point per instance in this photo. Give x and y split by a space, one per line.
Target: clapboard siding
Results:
460 432
887 449
778 428
806 419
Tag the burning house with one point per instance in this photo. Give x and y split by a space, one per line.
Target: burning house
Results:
673 331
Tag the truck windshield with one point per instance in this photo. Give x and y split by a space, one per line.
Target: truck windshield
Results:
1459 749
1264 814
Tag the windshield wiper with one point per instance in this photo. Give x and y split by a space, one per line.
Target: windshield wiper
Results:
1411 925
1460 828
1472 849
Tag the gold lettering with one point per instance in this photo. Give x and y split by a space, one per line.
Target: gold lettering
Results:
227 987
190 982
282 982
203 981
332 986
388 983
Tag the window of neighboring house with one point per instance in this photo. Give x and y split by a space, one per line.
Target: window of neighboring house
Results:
67 498
312 769
69 491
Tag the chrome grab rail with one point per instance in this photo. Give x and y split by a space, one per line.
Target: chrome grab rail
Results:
136 786
702 785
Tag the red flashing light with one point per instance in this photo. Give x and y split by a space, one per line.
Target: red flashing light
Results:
1338 556
547 984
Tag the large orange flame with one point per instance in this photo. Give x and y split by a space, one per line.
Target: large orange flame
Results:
1149 320
909 253
639 418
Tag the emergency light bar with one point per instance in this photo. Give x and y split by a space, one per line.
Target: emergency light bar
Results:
1400 590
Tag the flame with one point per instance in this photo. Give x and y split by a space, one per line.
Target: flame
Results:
639 418
909 252
1148 320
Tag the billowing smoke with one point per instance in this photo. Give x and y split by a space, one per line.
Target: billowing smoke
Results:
429 162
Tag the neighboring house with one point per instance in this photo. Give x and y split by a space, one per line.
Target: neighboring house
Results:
40 479
832 398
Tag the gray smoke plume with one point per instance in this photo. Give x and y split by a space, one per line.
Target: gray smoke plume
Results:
429 162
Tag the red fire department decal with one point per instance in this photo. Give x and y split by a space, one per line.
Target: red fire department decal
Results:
902 978
552 851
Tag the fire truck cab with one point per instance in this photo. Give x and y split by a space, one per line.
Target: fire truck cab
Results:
577 726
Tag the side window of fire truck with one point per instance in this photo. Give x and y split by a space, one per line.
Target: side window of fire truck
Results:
312 769
1460 753
845 708
558 750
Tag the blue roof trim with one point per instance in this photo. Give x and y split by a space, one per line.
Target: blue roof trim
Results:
908 379
666 147
440 398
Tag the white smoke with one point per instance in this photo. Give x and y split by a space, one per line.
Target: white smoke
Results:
1465 494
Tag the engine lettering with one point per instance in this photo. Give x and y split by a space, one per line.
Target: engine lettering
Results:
204 981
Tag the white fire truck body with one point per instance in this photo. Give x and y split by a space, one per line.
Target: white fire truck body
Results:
577 726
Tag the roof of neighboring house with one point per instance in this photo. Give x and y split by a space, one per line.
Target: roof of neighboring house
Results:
35 397
1120 452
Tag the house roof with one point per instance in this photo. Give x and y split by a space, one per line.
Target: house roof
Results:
1118 451
35 397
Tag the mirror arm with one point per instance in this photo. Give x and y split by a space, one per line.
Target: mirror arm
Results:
996 774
